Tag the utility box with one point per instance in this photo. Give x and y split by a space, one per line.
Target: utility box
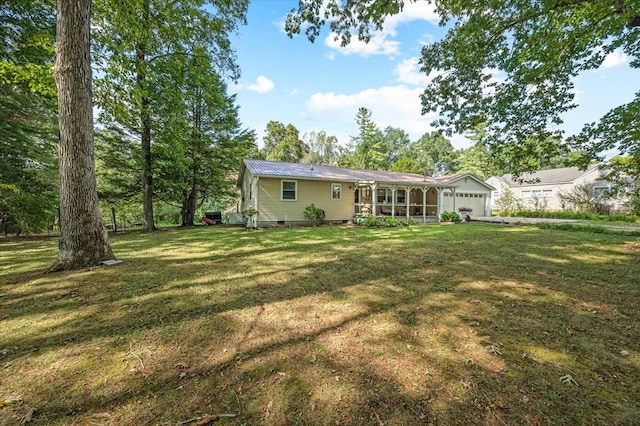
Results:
236 219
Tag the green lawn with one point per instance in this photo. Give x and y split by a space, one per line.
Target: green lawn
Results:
440 324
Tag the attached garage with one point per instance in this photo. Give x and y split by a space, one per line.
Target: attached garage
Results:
471 192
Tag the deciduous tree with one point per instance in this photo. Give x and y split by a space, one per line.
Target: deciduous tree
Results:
323 149
509 64
28 124
366 151
83 237
145 43
283 143
434 154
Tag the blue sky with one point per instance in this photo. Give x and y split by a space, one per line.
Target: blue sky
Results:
320 86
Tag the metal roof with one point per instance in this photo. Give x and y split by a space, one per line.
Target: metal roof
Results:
313 171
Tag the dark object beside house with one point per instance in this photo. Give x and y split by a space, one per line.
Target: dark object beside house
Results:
213 218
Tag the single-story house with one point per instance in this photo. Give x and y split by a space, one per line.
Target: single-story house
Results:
279 192
542 189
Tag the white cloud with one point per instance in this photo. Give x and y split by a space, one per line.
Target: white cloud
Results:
408 72
262 85
397 106
378 45
614 59
381 42
418 11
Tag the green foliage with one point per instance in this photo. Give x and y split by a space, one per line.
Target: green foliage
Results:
322 149
27 49
586 198
508 201
406 164
282 143
477 159
571 215
450 217
313 214
394 145
366 151
511 65
160 80
379 222
434 154
634 202
28 132
590 229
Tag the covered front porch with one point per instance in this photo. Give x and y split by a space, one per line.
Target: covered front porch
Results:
422 203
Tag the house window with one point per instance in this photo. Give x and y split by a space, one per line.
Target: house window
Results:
336 191
537 193
401 196
289 190
384 195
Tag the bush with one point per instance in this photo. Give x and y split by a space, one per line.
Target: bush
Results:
391 221
571 215
450 217
313 214
386 221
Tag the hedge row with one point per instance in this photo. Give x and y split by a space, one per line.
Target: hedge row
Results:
571 215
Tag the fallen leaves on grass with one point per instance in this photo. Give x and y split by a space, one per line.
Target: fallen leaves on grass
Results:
204 420
494 350
568 380
27 417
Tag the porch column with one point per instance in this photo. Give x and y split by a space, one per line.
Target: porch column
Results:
393 200
440 198
354 187
374 198
425 189
454 200
407 200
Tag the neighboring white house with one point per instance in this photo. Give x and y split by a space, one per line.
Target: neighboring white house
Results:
279 192
542 189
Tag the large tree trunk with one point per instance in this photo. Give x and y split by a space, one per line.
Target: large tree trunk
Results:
83 237
189 206
148 223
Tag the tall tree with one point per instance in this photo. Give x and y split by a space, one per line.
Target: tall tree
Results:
406 164
477 159
366 149
395 143
140 43
200 146
83 237
28 125
323 149
283 143
510 64
434 154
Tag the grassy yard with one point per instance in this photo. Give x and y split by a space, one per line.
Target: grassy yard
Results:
442 324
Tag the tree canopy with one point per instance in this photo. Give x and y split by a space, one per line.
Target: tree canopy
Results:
144 50
28 155
509 64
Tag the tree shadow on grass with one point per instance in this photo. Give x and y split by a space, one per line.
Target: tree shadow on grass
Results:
393 333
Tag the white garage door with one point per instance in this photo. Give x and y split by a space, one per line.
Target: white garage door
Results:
475 201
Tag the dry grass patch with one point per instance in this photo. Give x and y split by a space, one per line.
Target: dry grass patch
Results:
442 324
